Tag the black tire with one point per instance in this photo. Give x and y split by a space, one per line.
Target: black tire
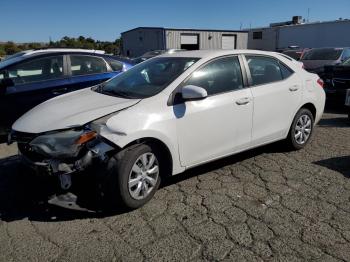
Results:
114 187
291 140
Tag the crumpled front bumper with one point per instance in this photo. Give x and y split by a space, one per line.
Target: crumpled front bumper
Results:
97 151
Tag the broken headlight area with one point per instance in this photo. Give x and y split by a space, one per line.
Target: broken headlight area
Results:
65 144
64 153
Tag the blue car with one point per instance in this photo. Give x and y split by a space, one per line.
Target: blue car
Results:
31 77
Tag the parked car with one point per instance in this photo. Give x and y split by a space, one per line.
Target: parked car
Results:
315 59
337 81
169 114
347 102
295 53
154 53
31 77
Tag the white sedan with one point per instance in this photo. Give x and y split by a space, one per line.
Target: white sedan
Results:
169 114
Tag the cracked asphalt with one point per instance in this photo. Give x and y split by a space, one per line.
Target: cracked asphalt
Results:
266 204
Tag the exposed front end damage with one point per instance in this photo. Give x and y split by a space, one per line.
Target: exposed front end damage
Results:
50 155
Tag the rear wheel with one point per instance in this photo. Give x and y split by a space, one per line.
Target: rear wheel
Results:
133 176
301 129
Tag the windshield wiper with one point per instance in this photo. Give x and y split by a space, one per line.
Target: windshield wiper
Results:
121 94
99 89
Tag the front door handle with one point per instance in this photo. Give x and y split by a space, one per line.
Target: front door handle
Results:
294 88
60 91
243 101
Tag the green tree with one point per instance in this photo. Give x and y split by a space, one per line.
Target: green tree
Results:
11 48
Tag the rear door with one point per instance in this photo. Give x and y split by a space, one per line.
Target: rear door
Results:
35 81
87 70
277 94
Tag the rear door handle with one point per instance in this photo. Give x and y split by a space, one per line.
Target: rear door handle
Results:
243 101
294 88
60 91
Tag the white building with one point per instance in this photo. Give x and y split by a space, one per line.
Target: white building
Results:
140 40
295 33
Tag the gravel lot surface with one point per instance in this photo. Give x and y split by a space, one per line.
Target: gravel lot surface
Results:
263 205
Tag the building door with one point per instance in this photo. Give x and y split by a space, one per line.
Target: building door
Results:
190 41
228 41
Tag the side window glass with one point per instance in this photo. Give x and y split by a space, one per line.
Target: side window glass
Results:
264 70
219 76
346 54
116 65
286 71
87 65
37 70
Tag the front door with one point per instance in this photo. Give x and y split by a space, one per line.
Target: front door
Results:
35 81
220 124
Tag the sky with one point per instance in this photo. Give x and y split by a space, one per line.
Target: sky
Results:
40 20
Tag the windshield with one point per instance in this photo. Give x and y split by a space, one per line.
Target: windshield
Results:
147 79
15 55
10 60
347 62
323 54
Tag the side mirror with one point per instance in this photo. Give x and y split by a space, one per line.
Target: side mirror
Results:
191 92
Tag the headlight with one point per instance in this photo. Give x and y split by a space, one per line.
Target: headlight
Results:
62 144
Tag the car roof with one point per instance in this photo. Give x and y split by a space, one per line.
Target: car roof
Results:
215 53
29 54
329 48
61 50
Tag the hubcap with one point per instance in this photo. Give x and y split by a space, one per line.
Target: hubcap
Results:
143 176
303 129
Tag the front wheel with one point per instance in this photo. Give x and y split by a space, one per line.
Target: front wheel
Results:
133 176
301 129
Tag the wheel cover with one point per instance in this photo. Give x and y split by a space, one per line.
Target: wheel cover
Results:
303 129
143 176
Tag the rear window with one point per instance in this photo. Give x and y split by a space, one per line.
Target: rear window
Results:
323 54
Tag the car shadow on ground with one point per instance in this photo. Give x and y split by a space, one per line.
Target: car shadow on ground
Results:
340 119
338 164
23 195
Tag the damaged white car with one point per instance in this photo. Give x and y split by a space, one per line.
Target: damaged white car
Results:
168 114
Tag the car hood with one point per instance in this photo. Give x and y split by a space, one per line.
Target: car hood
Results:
69 110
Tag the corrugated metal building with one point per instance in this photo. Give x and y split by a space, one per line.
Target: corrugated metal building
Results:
308 35
143 39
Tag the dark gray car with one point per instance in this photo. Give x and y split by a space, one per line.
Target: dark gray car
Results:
315 59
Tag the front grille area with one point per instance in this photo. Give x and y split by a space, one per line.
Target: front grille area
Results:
26 150
23 139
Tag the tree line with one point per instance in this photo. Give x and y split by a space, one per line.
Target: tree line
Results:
10 48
